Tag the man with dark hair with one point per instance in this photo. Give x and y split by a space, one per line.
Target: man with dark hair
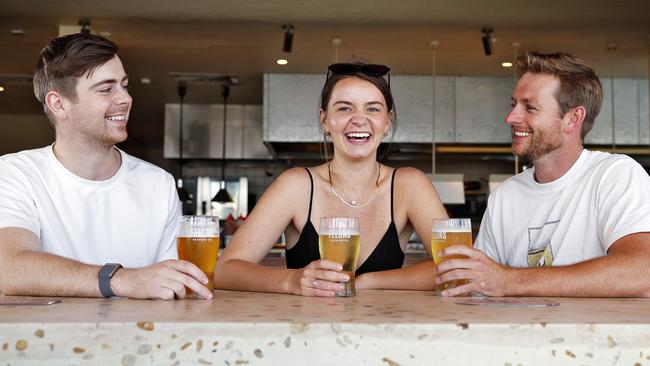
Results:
578 222
73 213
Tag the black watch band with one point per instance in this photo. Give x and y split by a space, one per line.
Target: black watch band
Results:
105 275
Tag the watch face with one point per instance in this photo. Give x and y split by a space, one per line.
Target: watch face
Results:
114 267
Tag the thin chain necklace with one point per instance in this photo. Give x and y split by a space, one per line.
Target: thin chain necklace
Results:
353 204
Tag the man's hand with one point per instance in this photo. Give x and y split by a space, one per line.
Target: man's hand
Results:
164 280
484 274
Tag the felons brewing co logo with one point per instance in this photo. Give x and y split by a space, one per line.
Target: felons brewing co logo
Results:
440 235
339 237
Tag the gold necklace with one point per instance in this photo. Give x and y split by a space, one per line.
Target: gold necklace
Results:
353 204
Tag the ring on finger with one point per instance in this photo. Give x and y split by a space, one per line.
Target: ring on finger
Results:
314 283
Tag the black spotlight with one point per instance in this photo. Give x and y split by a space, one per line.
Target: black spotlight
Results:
288 37
85 26
487 41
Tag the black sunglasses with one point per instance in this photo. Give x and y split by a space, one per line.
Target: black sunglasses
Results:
374 70
368 69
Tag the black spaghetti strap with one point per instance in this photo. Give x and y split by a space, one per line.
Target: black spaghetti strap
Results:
311 194
392 188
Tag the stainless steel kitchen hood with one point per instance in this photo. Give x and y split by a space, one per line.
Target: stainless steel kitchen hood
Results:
468 110
469 114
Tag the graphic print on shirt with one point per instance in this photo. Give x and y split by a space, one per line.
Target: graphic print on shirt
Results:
540 251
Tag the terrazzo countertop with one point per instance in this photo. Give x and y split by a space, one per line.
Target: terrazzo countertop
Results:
374 328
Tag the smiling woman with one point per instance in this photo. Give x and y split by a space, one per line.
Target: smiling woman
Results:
356 113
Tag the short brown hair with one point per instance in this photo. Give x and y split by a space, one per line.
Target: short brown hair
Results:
66 58
579 84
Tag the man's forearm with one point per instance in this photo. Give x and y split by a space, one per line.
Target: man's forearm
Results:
609 276
43 274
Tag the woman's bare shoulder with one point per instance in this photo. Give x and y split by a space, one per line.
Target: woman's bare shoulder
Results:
294 180
298 181
411 177
294 174
412 182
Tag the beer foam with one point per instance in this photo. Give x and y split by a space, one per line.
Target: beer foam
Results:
451 230
198 226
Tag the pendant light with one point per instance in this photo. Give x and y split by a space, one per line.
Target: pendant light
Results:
434 47
515 50
336 42
223 196
450 187
611 49
183 195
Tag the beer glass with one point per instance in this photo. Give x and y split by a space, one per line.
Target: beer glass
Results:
198 242
445 233
339 241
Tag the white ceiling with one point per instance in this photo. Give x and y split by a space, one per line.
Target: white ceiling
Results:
244 38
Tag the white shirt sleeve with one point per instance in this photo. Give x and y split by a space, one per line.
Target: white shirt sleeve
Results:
167 248
17 208
485 240
623 202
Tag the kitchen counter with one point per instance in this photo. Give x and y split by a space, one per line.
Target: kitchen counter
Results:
375 328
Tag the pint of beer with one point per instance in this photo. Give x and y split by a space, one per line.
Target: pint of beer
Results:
339 241
445 233
198 242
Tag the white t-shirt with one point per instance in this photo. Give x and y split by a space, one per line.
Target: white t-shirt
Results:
130 218
602 198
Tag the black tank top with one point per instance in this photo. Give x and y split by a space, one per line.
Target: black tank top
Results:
387 255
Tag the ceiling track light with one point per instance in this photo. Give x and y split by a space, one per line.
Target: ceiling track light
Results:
487 40
288 37
194 78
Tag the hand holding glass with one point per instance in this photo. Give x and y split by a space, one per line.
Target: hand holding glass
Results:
445 233
339 241
198 242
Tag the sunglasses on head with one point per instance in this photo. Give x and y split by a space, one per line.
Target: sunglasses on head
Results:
374 70
349 69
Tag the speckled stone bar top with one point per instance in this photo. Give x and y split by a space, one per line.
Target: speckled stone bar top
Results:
374 328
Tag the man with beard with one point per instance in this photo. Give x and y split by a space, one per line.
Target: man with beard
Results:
578 222
81 217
